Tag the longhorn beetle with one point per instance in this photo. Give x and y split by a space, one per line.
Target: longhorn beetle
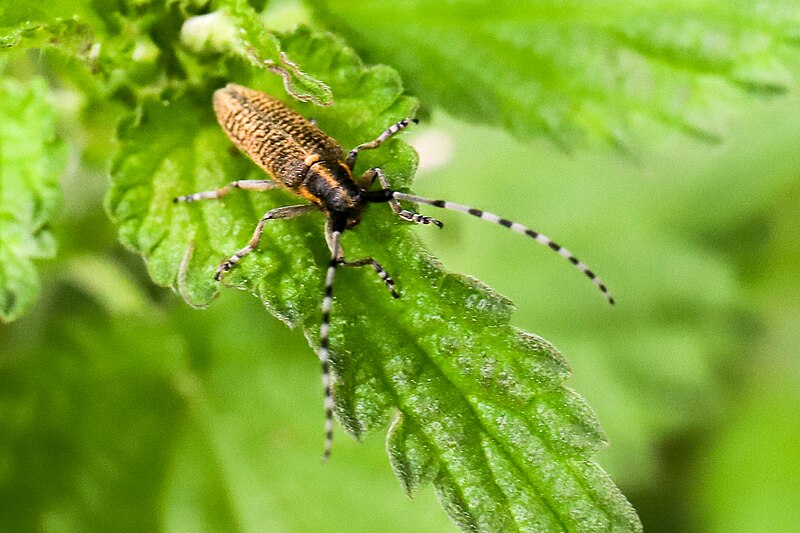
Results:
306 161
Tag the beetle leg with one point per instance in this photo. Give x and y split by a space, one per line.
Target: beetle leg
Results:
379 270
369 178
389 132
333 239
290 211
247 185
387 279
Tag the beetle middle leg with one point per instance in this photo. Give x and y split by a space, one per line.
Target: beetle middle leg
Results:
387 279
290 211
368 178
367 261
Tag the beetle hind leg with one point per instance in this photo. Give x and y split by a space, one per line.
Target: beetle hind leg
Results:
247 185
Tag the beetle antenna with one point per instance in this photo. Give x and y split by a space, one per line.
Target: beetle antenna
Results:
519 228
324 342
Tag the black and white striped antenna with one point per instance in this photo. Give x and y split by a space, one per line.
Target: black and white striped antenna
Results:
389 195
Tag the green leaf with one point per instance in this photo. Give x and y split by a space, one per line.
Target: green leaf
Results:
31 25
478 406
31 160
238 28
577 69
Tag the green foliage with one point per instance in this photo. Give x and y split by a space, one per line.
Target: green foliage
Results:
477 408
60 25
124 417
575 69
701 251
481 411
69 432
31 159
680 316
238 29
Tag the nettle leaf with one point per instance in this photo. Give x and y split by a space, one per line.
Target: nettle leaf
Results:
577 69
31 160
237 28
31 25
478 407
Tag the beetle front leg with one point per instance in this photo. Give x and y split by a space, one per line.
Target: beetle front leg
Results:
366 181
388 133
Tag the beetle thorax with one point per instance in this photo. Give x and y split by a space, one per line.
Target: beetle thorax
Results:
330 185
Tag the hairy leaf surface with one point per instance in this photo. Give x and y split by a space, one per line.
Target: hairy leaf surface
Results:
477 407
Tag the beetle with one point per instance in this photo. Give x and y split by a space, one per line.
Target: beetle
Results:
304 160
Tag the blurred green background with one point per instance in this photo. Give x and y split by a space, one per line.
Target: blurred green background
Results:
123 409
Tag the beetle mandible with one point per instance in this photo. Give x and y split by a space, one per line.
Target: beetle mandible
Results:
303 159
